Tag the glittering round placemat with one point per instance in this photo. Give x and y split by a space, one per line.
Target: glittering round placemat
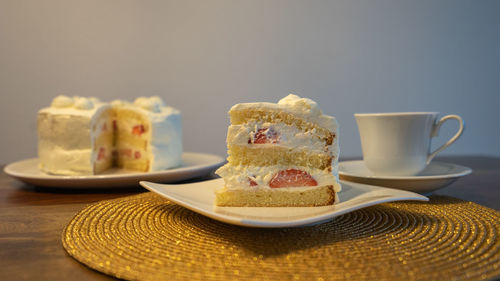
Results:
145 237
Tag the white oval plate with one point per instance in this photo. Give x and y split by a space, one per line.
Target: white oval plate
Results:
199 197
436 175
195 165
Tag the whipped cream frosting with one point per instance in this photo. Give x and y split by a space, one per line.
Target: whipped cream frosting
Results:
62 102
75 105
304 107
153 104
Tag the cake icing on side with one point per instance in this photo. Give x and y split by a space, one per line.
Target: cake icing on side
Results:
69 133
283 154
83 136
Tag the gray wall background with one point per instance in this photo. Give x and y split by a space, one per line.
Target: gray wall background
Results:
204 56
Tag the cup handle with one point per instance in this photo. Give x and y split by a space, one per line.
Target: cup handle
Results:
435 132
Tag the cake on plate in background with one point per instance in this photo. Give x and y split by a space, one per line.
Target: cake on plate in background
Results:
84 136
283 154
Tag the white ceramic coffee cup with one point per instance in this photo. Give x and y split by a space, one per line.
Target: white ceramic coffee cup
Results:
398 144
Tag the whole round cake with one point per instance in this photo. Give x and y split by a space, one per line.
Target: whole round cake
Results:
84 136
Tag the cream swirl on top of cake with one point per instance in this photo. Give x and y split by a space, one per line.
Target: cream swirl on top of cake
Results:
153 104
62 102
74 105
83 103
300 105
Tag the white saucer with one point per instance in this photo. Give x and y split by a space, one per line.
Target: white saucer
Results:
436 175
195 165
199 197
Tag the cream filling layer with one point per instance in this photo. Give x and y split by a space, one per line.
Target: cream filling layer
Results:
238 177
277 134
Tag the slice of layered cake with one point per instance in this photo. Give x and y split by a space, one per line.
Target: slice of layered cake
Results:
83 136
283 154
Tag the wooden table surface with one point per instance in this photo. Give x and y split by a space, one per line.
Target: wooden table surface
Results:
33 218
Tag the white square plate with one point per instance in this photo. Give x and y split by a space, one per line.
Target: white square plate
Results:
199 197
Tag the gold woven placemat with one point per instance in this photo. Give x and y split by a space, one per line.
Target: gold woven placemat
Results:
145 237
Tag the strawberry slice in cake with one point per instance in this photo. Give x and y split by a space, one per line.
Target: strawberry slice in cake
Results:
283 154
